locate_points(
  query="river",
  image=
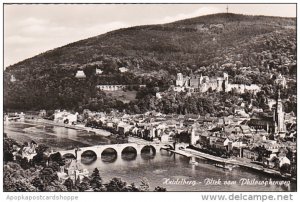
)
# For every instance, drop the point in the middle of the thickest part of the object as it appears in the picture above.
(165, 169)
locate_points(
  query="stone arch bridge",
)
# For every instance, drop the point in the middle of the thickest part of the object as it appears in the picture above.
(118, 148)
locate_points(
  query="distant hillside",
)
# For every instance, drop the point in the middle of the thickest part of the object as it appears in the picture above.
(153, 54)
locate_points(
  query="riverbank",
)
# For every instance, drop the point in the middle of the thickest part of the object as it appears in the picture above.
(198, 154)
(75, 127)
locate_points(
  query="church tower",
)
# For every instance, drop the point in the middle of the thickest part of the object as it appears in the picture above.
(279, 114)
(225, 77)
(201, 79)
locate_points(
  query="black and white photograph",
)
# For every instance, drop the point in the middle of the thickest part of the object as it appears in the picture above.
(150, 97)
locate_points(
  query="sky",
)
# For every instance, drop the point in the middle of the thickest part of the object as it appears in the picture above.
(33, 29)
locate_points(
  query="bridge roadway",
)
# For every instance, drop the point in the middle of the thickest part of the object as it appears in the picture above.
(118, 148)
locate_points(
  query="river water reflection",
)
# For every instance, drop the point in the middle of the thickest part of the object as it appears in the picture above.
(161, 169)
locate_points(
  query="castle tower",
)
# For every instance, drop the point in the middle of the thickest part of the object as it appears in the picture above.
(219, 84)
(279, 114)
(179, 80)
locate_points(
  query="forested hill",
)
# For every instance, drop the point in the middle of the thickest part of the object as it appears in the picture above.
(153, 54)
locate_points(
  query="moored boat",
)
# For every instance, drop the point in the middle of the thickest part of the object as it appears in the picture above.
(226, 166)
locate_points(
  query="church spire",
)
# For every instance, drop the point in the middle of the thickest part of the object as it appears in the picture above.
(280, 114)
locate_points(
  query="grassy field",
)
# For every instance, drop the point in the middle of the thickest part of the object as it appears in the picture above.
(123, 96)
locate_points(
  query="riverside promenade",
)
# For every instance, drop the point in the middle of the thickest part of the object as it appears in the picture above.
(201, 155)
(75, 127)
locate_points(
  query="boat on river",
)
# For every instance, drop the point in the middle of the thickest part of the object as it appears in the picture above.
(226, 166)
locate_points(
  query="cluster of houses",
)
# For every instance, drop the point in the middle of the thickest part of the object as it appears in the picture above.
(241, 140)
(154, 127)
(14, 116)
(238, 135)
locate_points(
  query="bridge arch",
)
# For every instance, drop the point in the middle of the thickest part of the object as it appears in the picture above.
(88, 157)
(129, 153)
(149, 149)
(69, 156)
(109, 155)
(148, 152)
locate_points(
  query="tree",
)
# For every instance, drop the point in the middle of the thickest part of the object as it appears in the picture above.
(96, 181)
(285, 168)
(23, 162)
(41, 148)
(8, 149)
(40, 159)
(7, 156)
(69, 184)
(57, 158)
(83, 186)
(56, 186)
(132, 188)
(37, 182)
(160, 189)
(48, 175)
(144, 184)
(19, 186)
(77, 181)
(115, 185)
(16, 179)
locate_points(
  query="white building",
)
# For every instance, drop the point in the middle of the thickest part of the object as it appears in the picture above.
(284, 160)
(158, 96)
(13, 79)
(124, 127)
(42, 113)
(280, 80)
(65, 117)
(111, 87)
(98, 71)
(166, 138)
(123, 69)
(80, 74)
